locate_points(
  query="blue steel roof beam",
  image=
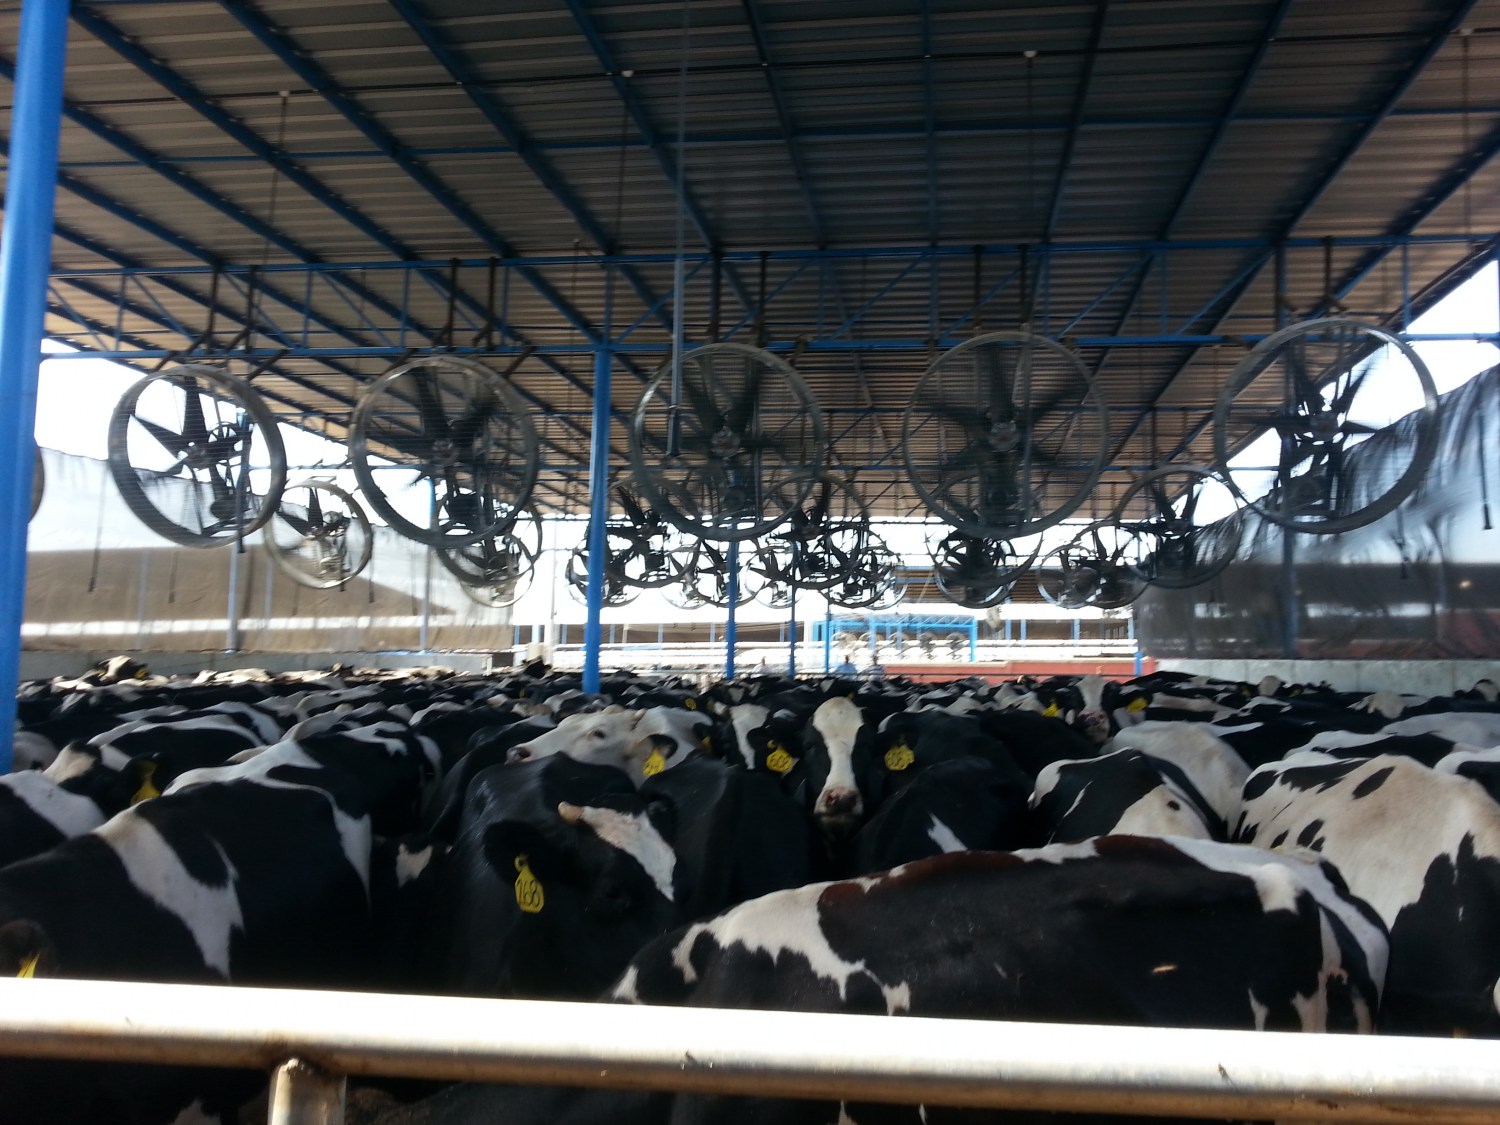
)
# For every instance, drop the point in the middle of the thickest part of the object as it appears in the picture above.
(227, 123)
(141, 156)
(994, 291)
(1075, 120)
(1227, 117)
(929, 120)
(812, 133)
(1434, 197)
(146, 313)
(859, 313)
(158, 317)
(276, 39)
(157, 230)
(145, 157)
(57, 300)
(1135, 269)
(784, 124)
(1414, 69)
(231, 126)
(688, 205)
(504, 123)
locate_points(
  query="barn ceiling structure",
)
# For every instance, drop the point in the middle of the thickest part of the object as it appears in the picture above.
(319, 191)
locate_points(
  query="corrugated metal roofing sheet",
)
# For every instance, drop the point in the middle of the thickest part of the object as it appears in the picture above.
(843, 124)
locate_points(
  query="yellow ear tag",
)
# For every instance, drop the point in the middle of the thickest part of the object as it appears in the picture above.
(1052, 711)
(1136, 704)
(691, 704)
(779, 761)
(899, 756)
(529, 895)
(28, 967)
(147, 791)
(654, 764)
(705, 743)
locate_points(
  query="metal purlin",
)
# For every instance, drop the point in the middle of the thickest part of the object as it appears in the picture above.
(25, 256)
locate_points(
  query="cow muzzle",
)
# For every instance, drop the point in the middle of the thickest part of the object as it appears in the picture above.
(518, 754)
(838, 810)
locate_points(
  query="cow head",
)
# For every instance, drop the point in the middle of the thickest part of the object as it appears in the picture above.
(641, 743)
(837, 746)
(560, 872)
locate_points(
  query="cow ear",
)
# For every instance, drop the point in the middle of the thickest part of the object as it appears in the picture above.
(508, 843)
(26, 951)
(662, 814)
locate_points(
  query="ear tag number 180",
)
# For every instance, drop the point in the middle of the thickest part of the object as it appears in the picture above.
(529, 896)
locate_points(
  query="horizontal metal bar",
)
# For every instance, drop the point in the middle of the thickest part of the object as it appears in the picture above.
(613, 144)
(1114, 246)
(894, 344)
(1077, 1068)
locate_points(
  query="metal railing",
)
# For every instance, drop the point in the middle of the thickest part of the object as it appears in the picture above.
(310, 1041)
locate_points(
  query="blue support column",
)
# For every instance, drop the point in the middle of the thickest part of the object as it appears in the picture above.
(598, 515)
(731, 626)
(973, 640)
(791, 632)
(25, 257)
(828, 639)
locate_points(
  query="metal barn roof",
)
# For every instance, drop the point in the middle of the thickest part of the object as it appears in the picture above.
(859, 183)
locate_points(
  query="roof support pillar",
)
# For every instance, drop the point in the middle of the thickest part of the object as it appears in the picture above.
(598, 516)
(25, 256)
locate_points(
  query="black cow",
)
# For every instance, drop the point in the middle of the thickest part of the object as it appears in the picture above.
(556, 877)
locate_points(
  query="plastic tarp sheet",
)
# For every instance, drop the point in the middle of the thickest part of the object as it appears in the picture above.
(98, 579)
(1420, 583)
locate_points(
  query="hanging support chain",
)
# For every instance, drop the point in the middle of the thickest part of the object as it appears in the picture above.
(485, 337)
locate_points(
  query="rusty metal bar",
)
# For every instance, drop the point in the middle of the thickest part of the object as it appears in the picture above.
(1081, 1068)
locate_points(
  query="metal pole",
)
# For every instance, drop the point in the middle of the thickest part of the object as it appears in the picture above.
(424, 629)
(731, 627)
(25, 257)
(301, 1094)
(791, 652)
(598, 516)
(1151, 1071)
(828, 638)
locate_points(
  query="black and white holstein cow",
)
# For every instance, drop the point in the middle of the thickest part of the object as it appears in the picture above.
(251, 882)
(1152, 779)
(641, 743)
(1422, 847)
(1119, 930)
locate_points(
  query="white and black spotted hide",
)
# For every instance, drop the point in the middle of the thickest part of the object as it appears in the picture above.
(1422, 847)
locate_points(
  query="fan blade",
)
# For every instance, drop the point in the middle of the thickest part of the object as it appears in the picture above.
(314, 509)
(633, 511)
(415, 447)
(997, 395)
(709, 417)
(1306, 390)
(467, 427)
(743, 411)
(1164, 508)
(965, 416)
(301, 526)
(1189, 509)
(429, 404)
(1344, 400)
(174, 444)
(194, 428)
